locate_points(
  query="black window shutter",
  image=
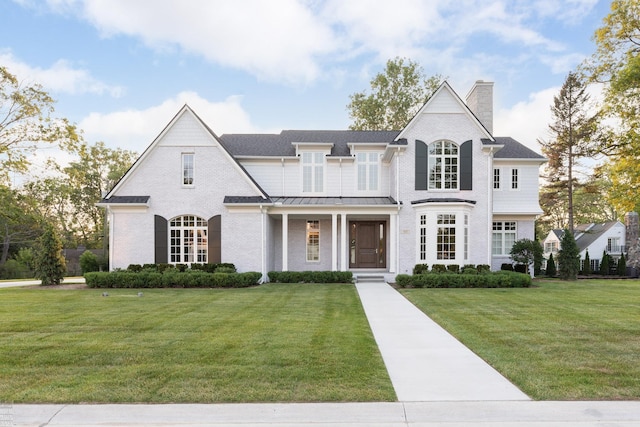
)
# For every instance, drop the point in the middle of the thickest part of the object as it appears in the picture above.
(161, 240)
(215, 239)
(421, 165)
(466, 165)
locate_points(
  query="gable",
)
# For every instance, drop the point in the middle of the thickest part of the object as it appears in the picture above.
(445, 101)
(185, 132)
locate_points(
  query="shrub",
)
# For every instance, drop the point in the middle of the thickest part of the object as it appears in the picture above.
(586, 264)
(621, 268)
(520, 268)
(551, 266)
(171, 278)
(311, 276)
(502, 279)
(469, 269)
(438, 268)
(134, 268)
(14, 269)
(453, 268)
(89, 262)
(483, 268)
(568, 257)
(506, 267)
(420, 268)
(50, 263)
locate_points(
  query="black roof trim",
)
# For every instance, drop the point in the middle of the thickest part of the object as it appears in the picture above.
(246, 200)
(126, 199)
(442, 200)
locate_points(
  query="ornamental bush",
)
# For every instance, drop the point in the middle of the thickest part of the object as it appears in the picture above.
(171, 278)
(310, 276)
(498, 279)
(89, 262)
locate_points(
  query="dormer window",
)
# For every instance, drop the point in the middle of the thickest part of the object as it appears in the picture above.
(312, 172)
(368, 167)
(443, 165)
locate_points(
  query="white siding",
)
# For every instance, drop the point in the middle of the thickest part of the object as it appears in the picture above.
(524, 199)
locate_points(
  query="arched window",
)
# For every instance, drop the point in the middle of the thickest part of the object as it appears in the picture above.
(443, 165)
(188, 240)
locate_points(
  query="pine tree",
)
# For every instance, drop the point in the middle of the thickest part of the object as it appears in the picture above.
(571, 132)
(621, 268)
(586, 268)
(50, 263)
(551, 266)
(604, 265)
(568, 257)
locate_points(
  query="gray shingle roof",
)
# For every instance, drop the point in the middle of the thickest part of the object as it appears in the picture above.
(442, 200)
(279, 145)
(126, 199)
(586, 234)
(514, 150)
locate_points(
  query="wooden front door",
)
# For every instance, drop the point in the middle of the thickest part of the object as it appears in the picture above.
(367, 244)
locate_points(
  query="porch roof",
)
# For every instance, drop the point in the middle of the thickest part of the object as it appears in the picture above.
(324, 201)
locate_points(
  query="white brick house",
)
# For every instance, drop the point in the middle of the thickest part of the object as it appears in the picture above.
(443, 190)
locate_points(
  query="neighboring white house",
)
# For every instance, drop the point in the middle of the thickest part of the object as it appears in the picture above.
(443, 190)
(595, 238)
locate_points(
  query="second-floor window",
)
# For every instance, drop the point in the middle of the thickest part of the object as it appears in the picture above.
(367, 164)
(443, 166)
(551, 247)
(514, 179)
(496, 179)
(312, 172)
(188, 168)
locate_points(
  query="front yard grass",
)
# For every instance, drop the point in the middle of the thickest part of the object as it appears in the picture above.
(557, 341)
(290, 343)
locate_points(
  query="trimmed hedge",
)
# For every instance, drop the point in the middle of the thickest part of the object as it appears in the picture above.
(310, 276)
(498, 279)
(171, 278)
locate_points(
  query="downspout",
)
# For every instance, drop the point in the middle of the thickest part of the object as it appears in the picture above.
(397, 231)
(490, 207)
(283, 175)
(264, 244)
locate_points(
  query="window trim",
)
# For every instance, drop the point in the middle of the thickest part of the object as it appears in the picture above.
(314, 165)
(368, 165)
(515, 179)
(496, 178)
(199, 244)
(426, 237)
(308, 232)
(441, 176)
(184, 169)
(503, 232)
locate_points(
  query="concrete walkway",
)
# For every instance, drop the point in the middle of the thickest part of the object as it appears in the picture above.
(424, 361)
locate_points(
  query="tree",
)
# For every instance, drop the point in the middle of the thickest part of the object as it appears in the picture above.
(396, 96)
(571, 131)
(568, 257)
(586, 265)
(50, 263)
(605, 264)
(26, 120)
(616, 64)
(551, 266)
(621, 267)
(71, 196)
(19, 222)
(527, 252)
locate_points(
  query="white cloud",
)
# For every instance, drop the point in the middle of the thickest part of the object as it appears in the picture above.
(136, 129)
(527, 121)
(61, 77)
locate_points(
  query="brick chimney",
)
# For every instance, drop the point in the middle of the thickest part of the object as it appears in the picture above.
(480, 102)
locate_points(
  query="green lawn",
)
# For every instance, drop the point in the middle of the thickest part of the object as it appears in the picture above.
(293, 343)
(557, 341)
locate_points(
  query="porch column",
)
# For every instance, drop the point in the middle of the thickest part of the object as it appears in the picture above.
(334, 242)
(393, 242)
(285, 241)
(344, 262)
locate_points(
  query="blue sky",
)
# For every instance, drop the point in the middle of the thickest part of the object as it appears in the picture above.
(121, 69)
